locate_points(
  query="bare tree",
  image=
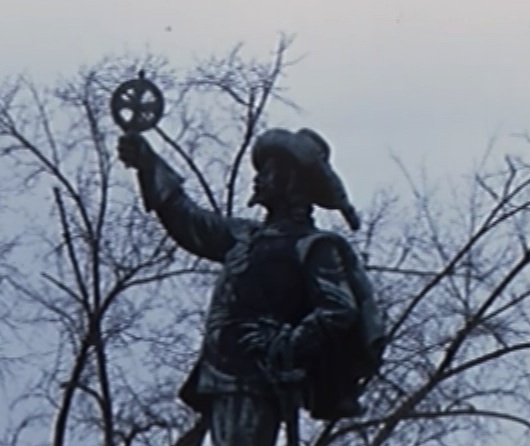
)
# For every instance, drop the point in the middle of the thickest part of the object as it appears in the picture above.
(116, 305)
(110, 315)
(452, 276)
(8, 361)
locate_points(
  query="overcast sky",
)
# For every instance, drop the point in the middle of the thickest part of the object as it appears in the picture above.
(430, 81)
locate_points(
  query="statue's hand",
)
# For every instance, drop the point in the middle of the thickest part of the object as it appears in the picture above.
(270, 340)
(257, 337)
(135, 151)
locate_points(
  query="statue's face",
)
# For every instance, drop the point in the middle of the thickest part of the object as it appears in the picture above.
(269, 185)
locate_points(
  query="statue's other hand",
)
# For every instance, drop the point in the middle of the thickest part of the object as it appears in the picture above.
(270, 339)
(255, 339)
(135, 151)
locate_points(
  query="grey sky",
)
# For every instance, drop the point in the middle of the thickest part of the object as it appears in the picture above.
(431, 81)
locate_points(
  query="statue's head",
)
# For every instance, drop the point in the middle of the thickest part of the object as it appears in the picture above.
(294, 167)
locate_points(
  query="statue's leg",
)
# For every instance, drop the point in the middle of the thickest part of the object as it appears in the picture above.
(244, 420)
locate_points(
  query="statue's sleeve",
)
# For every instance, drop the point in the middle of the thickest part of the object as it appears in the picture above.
(199, 231)
(334, 308)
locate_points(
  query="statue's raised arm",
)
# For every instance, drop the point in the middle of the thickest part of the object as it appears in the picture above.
(199, 231)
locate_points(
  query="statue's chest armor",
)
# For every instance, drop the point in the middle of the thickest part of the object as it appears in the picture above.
(273, 282)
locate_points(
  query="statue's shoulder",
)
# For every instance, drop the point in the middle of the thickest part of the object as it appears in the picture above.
(337, 241)
(243, 229)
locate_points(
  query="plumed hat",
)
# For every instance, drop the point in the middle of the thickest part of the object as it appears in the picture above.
(309, 153)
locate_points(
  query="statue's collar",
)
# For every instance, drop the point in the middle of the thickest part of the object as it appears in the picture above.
(285, 227)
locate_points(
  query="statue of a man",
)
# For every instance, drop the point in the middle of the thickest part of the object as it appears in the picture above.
(292, 321)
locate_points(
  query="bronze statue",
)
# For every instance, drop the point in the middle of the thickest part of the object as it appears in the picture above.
(292, 322)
